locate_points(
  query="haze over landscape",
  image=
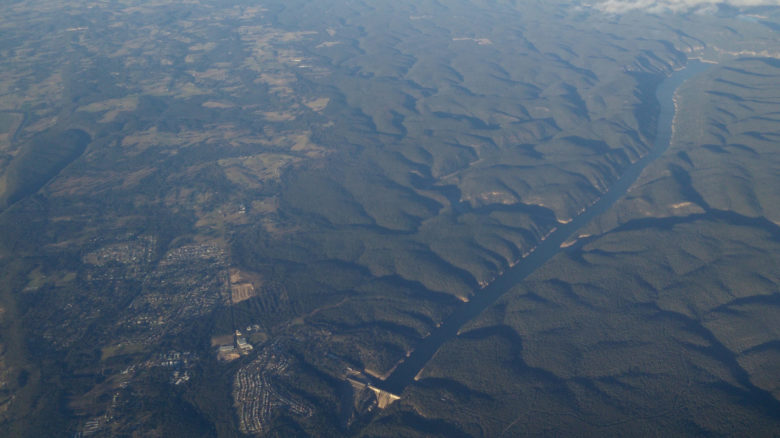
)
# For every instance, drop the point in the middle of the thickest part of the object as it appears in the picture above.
(661, 6)
(462, 218)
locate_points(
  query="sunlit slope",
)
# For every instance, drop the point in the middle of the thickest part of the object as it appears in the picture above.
(662, 316)
(452, 129)
(724, 154)
(732, 147)
(332, 179)
(464, 148)
(658, 326)
(461, 136)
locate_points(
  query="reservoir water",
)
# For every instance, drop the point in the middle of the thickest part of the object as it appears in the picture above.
(405, 372)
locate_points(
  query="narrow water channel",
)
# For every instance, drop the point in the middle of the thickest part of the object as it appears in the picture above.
(404, 374)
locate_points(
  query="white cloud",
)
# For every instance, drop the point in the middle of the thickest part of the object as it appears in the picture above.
(658, 6)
